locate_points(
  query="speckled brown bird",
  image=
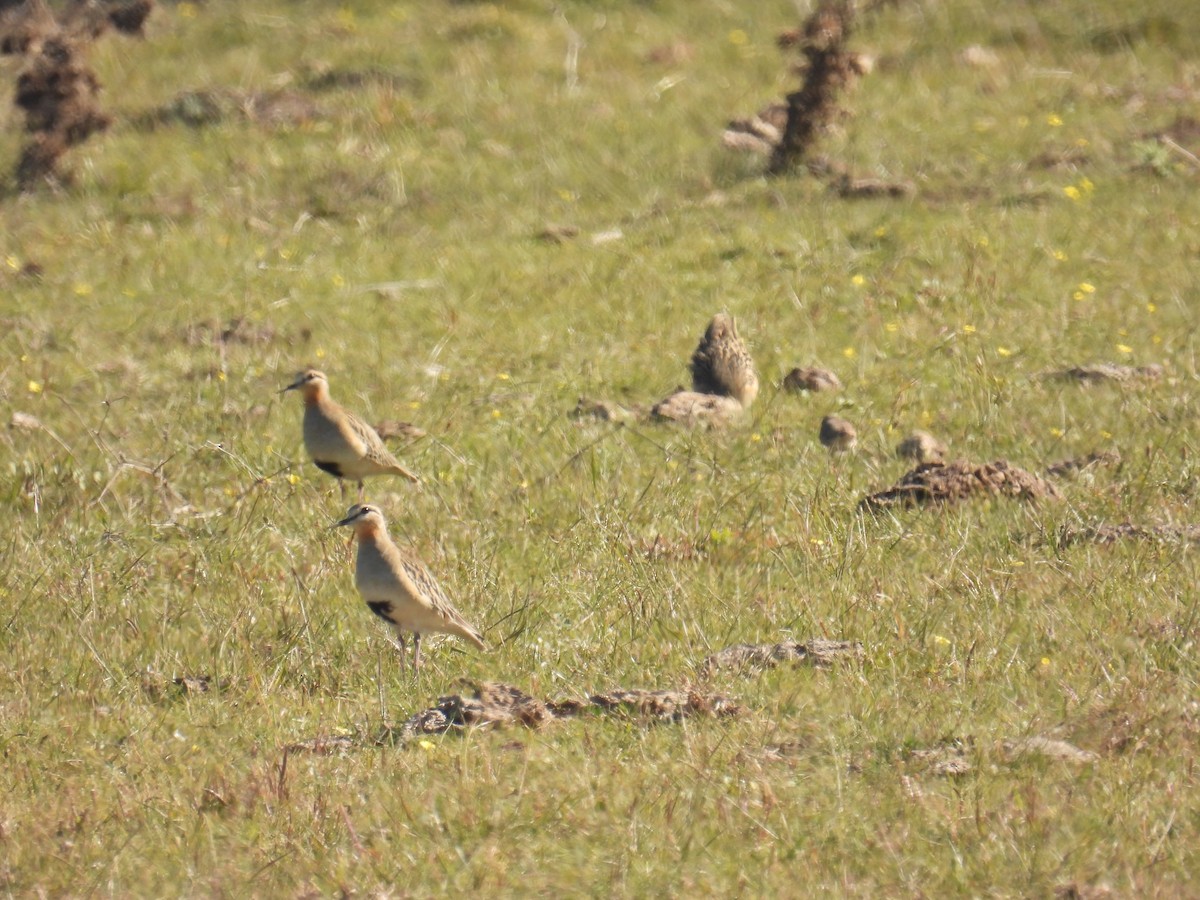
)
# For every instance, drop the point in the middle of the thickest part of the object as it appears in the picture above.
(338, 441)
(837, 434)
(722, 364)
(398, 588)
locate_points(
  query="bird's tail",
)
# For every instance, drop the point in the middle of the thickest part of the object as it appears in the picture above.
(400, 470)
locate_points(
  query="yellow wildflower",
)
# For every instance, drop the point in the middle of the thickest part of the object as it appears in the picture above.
(1073, 192)
(1053, 120)
(1124, 348)
(738, 38)
(35, 387)
(858, 280)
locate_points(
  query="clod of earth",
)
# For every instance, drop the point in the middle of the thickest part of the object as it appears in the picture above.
(1126, 531)
(816, 652)
(1093, 460)
(937, 483)
(1107, 372)
(811, 378)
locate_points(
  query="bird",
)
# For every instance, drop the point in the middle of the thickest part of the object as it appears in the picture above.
(837, 434)
(722, 365)
(921, 447)
(399, 588)
(338, 441)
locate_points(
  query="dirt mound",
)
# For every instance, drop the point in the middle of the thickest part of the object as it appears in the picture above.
(1107, 372)
(817, 652)
(935, 482)
(56, 89)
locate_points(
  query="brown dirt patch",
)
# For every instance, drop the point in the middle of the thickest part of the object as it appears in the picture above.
(941, 483)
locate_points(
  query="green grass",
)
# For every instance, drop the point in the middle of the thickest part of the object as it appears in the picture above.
(154, 533)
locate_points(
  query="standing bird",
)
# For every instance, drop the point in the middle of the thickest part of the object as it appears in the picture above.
(724, 382)
(722, 363)
(338, 441)
(398, 588)
(838, 435)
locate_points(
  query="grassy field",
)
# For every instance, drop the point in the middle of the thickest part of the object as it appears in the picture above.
(365, 194)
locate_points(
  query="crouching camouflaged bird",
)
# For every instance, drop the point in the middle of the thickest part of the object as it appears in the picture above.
(338, 441)
(398, 588)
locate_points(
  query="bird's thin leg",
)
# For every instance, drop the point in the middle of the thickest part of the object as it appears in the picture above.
(342, 488)
(361, 491)
(417, 653)
(402, 648)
